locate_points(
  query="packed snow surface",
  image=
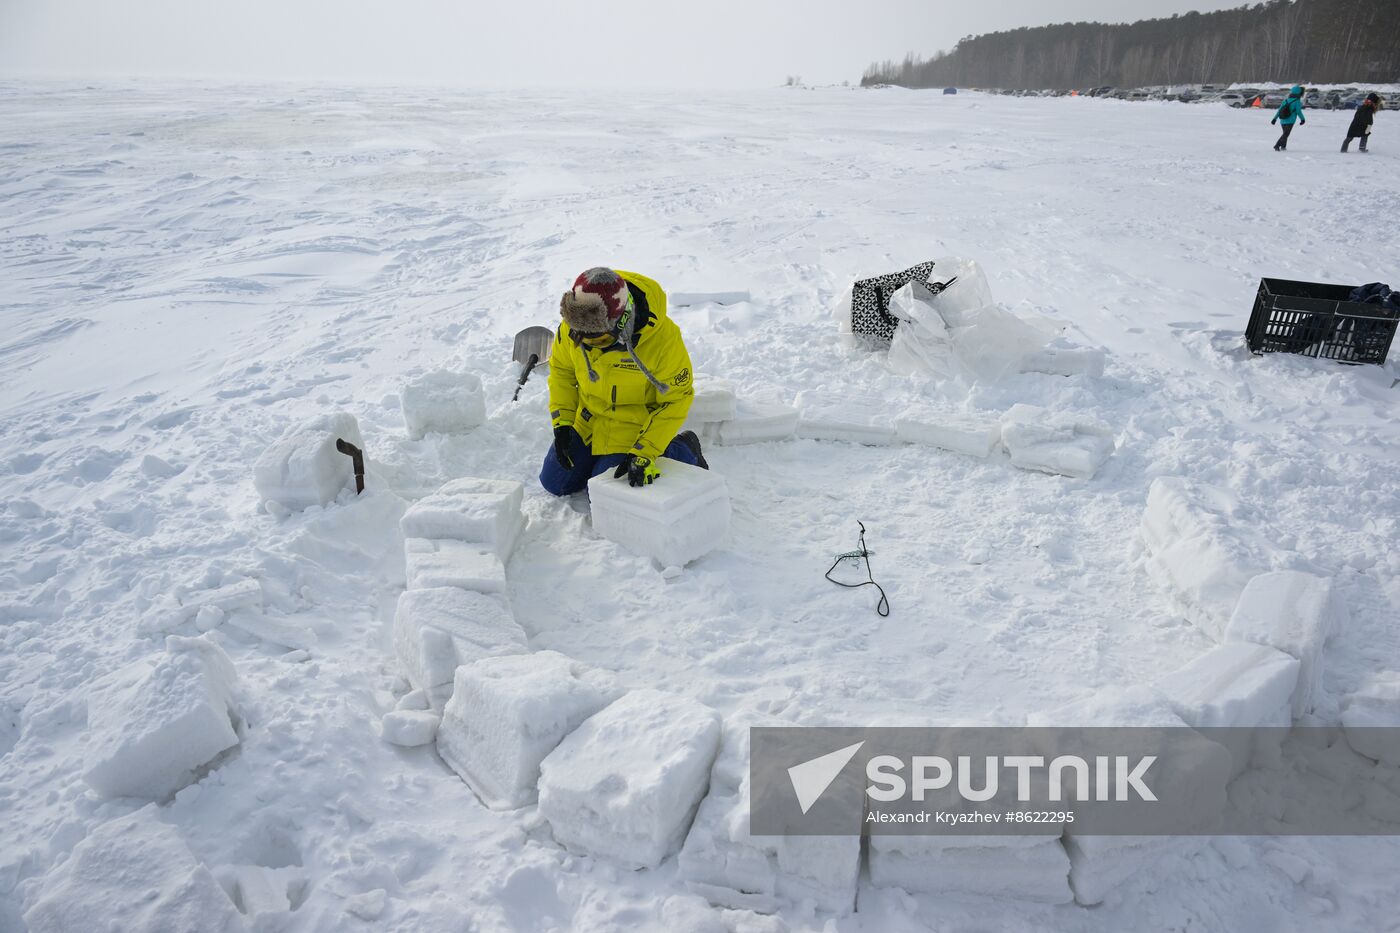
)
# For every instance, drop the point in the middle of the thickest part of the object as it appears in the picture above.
(191, 272)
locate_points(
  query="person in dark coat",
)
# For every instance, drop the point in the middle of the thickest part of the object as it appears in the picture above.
(1361, 123)
(1289, 112)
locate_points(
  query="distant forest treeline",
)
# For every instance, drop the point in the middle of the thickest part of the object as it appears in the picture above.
(1315, 41)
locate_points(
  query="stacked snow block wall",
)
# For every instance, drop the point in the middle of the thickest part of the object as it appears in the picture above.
(455, 610)
(443, 403)
(721, 862)
(303, 468)
(675, 521)
(1033, 868)
(155, 724)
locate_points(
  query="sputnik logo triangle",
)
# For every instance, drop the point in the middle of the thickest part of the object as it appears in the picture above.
(811, 778)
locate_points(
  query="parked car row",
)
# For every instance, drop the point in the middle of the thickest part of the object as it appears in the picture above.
(1344, 99)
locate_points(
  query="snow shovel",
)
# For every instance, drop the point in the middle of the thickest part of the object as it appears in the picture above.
(531, 349)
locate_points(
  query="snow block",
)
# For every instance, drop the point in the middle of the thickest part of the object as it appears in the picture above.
(959, 433)
(686, 299)
(443, 403)
(1235, 685)
(1193, 553)
(506, 714)
(409, 728)
(759, 420)
(1296, 613)
(437, 629)
(626, 784)
(1376, 705)
(682, 516)
(132, 873)
(153, 724)
(714, 401)
(446, 562)
(1098, 864)
(844, 416)
(1065, 361)
(479, 511)
(303, 468)
(243, 594)
(1050, 442)
(721, 862)
(1031, 868)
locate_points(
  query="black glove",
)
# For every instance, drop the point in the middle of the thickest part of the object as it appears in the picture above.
(564, 438)
(1274, 121)
(641, 471)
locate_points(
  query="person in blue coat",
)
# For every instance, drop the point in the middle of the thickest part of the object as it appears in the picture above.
(1289, 112)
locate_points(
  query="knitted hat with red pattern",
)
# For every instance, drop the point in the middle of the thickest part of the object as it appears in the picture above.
(596, 301)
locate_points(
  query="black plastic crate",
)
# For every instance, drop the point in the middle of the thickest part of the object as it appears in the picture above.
(1313, 319)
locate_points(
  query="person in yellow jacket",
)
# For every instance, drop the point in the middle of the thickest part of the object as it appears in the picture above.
(620, 384)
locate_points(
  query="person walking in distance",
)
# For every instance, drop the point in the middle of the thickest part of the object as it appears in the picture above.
(1288, 113)
(1361, 123)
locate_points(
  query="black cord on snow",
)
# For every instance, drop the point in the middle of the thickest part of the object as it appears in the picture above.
(883, 606)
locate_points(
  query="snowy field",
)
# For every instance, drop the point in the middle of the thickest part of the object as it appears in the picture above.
(187, 271)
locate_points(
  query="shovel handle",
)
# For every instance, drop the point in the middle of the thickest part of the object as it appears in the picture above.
(525, 374)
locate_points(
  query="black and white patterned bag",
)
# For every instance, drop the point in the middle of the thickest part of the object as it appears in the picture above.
(870, 300)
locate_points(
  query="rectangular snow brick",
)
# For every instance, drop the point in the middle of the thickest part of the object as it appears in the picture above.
(1030, 868)
(848, 416)
(134, 872)
(480, 511)
(686, 299)
(447, 562)
(721, 862)
(409, 728)
(303, 468)
(506, 714)
(1296, 613)
(625, 785)
(759, 420)
(714, 401)
(443, 403)
(1238, 686)
(682, 516)
(437, 629)
(959, 433)
(1375, 706)
(1194, 553)
(153, 724)
(1049, 442)
(1098, 864)
(1065, 361)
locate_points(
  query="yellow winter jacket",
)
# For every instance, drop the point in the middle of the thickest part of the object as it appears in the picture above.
(623, 412)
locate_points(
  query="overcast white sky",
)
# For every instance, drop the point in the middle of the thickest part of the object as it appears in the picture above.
(643, 43)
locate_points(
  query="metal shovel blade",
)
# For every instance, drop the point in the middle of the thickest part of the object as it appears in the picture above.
(532, 346)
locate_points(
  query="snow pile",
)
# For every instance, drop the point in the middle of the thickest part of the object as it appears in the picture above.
(303, 468)
(1193, 553)
(507, 713)
(202, 605)
(443, 403)
(1296, 613)
(1235, 685)
(447, 562)
(962, 434)
(154, 724)
(843, 416)
(132, 873)
(409, 728)
(1376, 705)
(627, 782)
(1051, 442)
(682, 516)
(479, 511)
(437, 629)
(1032, 868)
(257, 891)
(757, 420)
(724, 864)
